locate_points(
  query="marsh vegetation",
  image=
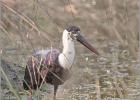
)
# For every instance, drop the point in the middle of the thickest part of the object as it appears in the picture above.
(110, 25)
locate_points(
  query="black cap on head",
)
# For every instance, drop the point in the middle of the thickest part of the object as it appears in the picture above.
(73, 29)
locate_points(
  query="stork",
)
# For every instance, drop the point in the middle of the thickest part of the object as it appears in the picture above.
(52, 66)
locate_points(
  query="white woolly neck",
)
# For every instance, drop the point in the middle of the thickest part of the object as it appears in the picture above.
(66, 58)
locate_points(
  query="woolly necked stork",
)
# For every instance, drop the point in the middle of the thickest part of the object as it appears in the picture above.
(52, 66)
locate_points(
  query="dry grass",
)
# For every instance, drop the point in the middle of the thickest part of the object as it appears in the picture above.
(110, 25)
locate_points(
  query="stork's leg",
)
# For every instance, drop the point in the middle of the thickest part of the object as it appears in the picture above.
(55, 91)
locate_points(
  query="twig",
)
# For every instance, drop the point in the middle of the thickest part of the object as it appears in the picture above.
(98, 96)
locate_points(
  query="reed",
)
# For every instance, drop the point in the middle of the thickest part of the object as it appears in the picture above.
(37, 24)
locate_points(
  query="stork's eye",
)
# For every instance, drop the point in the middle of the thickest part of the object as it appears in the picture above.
(70, 33)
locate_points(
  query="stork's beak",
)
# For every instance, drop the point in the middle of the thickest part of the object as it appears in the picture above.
(83, 41)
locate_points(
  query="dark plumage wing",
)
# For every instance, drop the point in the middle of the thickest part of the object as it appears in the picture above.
(38, 66)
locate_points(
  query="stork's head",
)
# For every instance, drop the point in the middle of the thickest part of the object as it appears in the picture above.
(75, 34)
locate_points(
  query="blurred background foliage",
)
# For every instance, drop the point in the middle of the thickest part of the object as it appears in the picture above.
(110, 25)
(100, 20)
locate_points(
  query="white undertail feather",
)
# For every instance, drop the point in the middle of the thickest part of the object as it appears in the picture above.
(66, 58)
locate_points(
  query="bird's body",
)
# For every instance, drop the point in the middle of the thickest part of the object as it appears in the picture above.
(52, 66)
(44, 65)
